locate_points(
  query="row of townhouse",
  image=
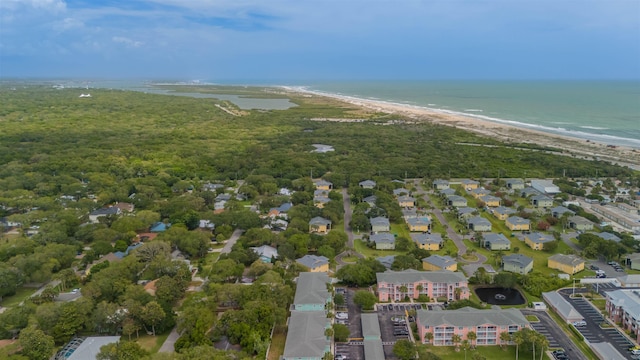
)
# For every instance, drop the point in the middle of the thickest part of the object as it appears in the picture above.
(307, 325)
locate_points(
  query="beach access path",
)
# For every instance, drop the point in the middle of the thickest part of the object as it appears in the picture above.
(470, 267)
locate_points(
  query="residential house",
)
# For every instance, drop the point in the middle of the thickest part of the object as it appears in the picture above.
(440, 184)
(580, 223)
(386, 261)
(83, 348)
(383, 241)
(469, 184)
(431, 242)
(536, 240)
(409, 213)
(466, 212)
(280, 210)
(569, 264)
(103, 212)
(623, 307)
(266, 253)
(323, 185)
(516, 223)
(517, 263)
(529, 191)
(311, 292)
(545, 186)
(367, 184)
(491, 201)
(456, 201)
(416, 224)
(438, 262)
(320, 201)
(608, 236)
(124, 206)
(478, 223)
(493, 241)
(515, 184)
(633, 261)
(396, 285)
(502, 213)
(371, 200)
(558, 211)
(446, 192)
(319, 225)
(479, 192)
(380, 224)
(541, 201)
(159, 227)
(205, 224)
(314, 263)
(406, 201)
(306, 336)
(400, 192)
(628, 221)
(562, 307)
(487, 324)
(212, 187)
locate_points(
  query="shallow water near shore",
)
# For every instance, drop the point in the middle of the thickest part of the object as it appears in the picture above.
(602, 111)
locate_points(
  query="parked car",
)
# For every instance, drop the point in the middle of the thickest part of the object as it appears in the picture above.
(579, 323)
(593, 267)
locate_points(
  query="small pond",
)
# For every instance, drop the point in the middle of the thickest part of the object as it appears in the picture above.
(500, 296)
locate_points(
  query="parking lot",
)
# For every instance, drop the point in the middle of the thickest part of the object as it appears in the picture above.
(592, 331)
(554, 334)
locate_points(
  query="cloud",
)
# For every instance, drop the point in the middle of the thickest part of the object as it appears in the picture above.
(126, 41)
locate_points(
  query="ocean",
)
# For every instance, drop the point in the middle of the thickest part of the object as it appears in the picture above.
(604, 111)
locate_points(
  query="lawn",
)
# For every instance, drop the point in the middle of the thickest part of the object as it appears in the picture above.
(363, 249)
(532, 318)
(401, 230)
(20, 295)
(448, 248)
(489, 352)
(599, 303)
(277, 343)
(152, 343)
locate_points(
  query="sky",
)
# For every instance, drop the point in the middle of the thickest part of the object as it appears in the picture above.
(313, 40)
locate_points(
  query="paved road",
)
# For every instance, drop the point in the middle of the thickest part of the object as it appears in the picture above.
(350, 250)
(554, 333)
(232, 241)
(469, 267)
(167, 346)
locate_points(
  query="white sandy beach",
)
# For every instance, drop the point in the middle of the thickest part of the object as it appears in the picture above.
(572, 146)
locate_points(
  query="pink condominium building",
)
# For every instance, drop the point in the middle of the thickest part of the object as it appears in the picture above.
(488, 325)
(396, 285)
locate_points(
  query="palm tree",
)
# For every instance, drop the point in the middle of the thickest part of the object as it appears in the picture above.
(505, 337)
(429, 337)
(518, 339)
(544, 343)
(465, 346)
(472, 336)
(419, 288)
(403, 290)
(455, 339)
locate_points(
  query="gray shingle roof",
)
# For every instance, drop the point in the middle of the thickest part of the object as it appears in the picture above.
(538, 237)
(410, 275)
(469, 316)
(517, 220)
(312, 261)
(305, 337)
(367, 183)
(423, 239)
(370, 325)
(417, 221)
(517, 259)
(579, 220)
(311, 288)
(562, 306)
(379, 221)
(502, 210)
(479, 220)
(571, 260)
(496, 238)
(319, 221)
(439, 261)
(383, 238)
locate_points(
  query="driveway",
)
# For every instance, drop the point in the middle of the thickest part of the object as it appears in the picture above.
(232, 241)
(554, 334)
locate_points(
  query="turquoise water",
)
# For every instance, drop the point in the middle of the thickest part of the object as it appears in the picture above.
(603, 111)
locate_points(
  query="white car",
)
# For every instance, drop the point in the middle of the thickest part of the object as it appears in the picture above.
(342, 315)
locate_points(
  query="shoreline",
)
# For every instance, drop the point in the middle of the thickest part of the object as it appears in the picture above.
(508, 133)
